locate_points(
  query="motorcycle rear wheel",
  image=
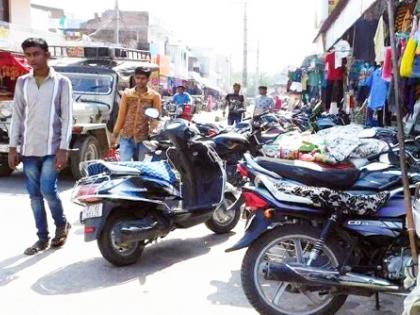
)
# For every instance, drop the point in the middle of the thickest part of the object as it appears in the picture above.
(116, 253)
(260, 294)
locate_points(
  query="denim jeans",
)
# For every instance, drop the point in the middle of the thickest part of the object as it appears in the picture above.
(130, 150)
(41, 182)
(234, 119)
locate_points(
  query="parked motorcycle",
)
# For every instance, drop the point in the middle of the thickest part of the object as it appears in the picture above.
(230, 145)
(317, 235)
(128, 205)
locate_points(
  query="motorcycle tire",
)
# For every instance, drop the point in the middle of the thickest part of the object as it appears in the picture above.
(223, 228)
(248, 266)
(110, 251)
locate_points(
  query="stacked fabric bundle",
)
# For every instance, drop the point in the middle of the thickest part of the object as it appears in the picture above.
(335, 145)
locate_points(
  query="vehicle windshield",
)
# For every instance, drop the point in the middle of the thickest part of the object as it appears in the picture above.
(83, 83)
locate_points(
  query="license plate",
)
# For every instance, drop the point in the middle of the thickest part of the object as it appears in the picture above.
(4, 148)
(92, 211)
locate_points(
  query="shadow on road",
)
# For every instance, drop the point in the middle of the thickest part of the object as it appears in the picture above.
(8, 274)
(229, 293)
(96, 273)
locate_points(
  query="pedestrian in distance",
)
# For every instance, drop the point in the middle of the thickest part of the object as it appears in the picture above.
(235, 103)
(263, 102)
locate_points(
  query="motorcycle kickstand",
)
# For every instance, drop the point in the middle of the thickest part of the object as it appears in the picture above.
(377, 302)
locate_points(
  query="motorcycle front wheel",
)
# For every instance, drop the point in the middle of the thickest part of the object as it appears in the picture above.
(118, 254)
(223, 219)
(289, 244)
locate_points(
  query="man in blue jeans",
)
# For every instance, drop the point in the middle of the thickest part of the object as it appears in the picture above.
(42, 126)
(132, 126)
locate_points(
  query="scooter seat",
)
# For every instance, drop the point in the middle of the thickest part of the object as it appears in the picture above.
(159, 170)
(311, 174)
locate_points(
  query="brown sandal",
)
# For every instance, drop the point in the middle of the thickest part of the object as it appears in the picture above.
(37, 247)
(61, 235)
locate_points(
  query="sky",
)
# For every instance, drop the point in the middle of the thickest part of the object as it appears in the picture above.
(284, 29)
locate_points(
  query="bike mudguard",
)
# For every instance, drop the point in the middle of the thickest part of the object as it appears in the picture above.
(94, 226)
(258, 226)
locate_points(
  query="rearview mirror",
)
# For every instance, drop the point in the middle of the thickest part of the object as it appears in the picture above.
(152, 113)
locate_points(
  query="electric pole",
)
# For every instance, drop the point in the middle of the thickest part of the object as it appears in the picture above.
(245, 52)
(117, 22)
(257, 71)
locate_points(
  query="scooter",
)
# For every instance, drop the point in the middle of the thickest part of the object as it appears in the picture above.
(230, 145)
(317, 235)
(128, 205)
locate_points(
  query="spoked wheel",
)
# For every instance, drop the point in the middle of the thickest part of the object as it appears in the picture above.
(223, 219)
(289, 244)
(118, 254)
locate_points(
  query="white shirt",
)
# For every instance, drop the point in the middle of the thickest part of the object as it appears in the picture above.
(263, 103)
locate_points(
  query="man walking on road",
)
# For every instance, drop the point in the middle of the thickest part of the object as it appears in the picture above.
(263, 102)
(236, 105)
(132, 126)
(42, 127)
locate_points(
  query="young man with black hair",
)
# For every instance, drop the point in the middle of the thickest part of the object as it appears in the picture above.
(181, 98)
(42, 127)
(132, 126)
(263, 102)
(236, 105)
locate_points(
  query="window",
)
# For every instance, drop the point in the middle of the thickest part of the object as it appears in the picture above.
(90, 83)
(4, 10)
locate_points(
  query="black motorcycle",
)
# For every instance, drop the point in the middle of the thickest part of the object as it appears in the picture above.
(128, 205)
(317, 235)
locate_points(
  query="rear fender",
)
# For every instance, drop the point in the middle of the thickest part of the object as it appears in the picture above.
(93, 226)
(289, 208)
(258, 226)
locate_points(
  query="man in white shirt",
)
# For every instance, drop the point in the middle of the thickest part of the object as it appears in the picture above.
(263, 102)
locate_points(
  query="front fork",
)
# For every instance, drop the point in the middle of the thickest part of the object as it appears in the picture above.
(326, 232)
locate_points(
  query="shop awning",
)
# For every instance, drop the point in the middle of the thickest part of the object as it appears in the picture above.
(8, 59)
(345, 14)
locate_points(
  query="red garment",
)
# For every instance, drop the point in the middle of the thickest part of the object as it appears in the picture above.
(387, 68)
(278, 104)
(333, 74)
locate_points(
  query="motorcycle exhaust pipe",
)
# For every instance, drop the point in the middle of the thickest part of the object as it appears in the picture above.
(319, 276)
(137, 231)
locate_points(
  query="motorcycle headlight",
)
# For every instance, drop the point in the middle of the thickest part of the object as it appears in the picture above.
(6, 110)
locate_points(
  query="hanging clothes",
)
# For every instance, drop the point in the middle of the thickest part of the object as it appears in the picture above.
(304, 81)
(334, 91)
(333, 73)
(379, 41)
(377, 101)
(364, 45)
(387, 68)
(378, 90)
(403, 16)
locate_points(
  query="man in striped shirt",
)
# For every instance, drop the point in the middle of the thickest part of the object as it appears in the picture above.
(42, 126)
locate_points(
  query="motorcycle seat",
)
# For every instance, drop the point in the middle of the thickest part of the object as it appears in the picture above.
(112, 168)
(267, 137)
(311, 174)
(159, 170)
